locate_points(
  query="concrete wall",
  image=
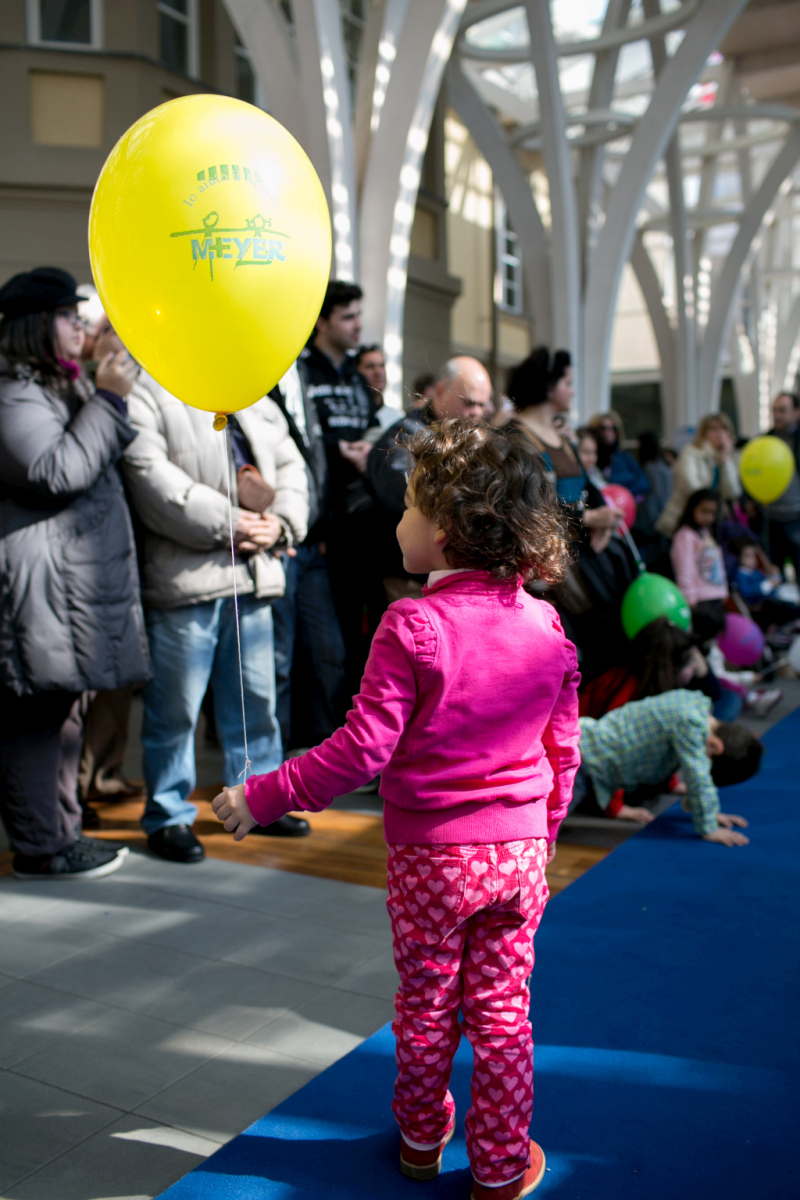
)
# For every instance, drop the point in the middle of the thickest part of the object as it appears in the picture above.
(432, 286)
(470, 240)
(46, 189)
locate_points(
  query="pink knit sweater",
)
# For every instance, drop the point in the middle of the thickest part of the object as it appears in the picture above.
(699, 566)
(468, 707)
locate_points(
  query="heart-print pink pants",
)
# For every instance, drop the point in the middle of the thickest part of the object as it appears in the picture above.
(463, 920)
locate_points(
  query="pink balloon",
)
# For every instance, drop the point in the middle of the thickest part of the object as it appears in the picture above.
(742, 642)
(619, 497)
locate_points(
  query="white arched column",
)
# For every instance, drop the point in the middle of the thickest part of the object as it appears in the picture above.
(663, 332)
(262, 28)
(726, 290)
(515, 189)
(565, 268)
(783, 375)
(685, 392)
(303, 77)
(592, 159)
(703, 34)
(326, 90)
(393, 172)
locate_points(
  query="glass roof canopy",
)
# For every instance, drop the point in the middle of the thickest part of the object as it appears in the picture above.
(509, 88)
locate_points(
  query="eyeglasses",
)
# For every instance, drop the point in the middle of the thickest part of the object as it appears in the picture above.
(74, 318)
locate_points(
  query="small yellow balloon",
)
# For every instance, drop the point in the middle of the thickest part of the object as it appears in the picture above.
(210, 243)
(766, 468)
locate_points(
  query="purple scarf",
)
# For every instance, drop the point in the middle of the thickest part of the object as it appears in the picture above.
(71, 368)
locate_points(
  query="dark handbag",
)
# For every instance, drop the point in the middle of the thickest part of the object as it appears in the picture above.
(255, 494)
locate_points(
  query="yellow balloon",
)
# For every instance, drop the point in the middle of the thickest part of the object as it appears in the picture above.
(210, 243)
(766, 468)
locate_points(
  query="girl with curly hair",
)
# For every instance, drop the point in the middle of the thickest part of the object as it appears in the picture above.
(468, 707)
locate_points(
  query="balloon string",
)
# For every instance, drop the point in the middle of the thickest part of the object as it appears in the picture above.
(625, 534)
(248, 766)
(634, 549)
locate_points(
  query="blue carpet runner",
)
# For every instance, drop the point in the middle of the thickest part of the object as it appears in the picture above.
(667, 1024)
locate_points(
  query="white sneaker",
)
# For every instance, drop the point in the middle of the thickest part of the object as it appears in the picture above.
(760, 703)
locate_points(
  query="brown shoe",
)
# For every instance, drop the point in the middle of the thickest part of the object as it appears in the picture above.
(518, 1187)
(424, 1164)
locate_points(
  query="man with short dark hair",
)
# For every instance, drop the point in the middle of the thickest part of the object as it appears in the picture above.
(371, 362)
(330, 374)
(344, 405)
(782, 518)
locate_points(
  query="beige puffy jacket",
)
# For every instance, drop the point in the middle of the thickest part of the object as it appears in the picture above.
(175, 473)
(695, 469)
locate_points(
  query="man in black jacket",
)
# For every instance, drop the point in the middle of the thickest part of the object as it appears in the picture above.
(305, 616)
(331, 379)
(463, 390)
(782, 518)
(346, 410)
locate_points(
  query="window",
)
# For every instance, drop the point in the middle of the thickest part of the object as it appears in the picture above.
(75, 24)
(66, 109)
(423, 233)
(178, 35)
(246, 83)
(508, 281)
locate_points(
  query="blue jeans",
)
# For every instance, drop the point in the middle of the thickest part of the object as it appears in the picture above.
(729, 705)
(580, 788)
(306, 614)
(191, 646)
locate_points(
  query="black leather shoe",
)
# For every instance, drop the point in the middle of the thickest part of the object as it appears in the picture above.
(287, 826)
(176, 843)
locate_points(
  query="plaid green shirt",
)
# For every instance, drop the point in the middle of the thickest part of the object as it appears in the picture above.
(646, 742)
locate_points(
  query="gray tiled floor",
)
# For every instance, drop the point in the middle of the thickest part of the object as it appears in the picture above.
(148, 1017)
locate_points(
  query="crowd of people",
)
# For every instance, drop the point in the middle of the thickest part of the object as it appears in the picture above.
(121, 556)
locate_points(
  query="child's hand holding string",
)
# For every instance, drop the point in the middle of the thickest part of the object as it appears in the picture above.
(230, 807)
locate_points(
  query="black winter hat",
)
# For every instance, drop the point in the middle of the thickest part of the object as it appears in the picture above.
(41, 290)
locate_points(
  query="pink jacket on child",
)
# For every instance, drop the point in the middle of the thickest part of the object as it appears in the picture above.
(468, 707)
(699, 566)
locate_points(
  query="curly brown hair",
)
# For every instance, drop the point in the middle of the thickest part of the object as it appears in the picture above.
(488, 489)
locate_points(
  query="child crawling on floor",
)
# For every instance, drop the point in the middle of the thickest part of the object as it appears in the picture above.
(468, 707)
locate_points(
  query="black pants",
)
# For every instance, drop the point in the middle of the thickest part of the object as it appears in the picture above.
(781, 541)
(40, 747)
(357, 593)
(309, 653)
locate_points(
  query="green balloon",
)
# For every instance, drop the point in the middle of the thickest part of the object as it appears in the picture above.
(650, 597)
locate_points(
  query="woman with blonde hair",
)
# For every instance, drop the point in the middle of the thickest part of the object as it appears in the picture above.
(707, 462)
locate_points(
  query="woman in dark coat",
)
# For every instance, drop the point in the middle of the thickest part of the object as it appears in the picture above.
(70, 617)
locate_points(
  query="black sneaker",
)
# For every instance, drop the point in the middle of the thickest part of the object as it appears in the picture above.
(83, 860)
(103, 844)
(287, 826)
(176, 843)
